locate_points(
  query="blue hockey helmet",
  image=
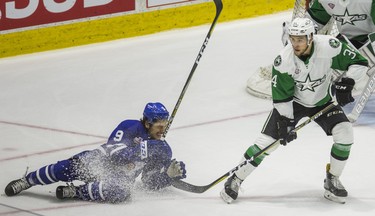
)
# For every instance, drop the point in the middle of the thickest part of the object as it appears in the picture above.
(154, 112)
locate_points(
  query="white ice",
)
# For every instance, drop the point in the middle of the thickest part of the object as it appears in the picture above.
(58, 103)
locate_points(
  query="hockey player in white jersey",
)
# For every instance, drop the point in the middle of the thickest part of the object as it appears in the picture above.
(301, 86)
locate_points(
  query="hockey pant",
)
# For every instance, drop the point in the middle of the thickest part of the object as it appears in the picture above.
(334, 123)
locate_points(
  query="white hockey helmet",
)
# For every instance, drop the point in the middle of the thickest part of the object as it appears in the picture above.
(301, 26)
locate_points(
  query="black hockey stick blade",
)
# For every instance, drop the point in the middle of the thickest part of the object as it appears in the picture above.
(200, 189)
(219, 8)
(179, 184)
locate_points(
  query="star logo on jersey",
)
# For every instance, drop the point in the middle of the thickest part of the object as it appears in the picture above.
(334, 43)
(277, 61)
(347, 18)
(309, 84)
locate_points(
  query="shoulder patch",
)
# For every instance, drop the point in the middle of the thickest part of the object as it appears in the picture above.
(277, 61)
(334, 43)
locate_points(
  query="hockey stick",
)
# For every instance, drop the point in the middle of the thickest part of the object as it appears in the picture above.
(219, 7)
(365, 95)
(200, 189)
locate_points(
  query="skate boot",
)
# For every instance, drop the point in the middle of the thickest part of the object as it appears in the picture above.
(231, 187)
(16, 186)
(66, 192)
(335, 191)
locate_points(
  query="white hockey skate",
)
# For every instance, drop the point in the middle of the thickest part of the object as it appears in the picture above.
(335, 191)
(231, 187)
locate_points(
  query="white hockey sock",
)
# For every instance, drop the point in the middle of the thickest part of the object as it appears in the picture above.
(245, 170)
(337, 166)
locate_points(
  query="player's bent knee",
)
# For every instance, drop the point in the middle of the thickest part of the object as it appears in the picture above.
(343, 133)
(264, 141)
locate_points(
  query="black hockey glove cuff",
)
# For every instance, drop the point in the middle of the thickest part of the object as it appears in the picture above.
(344, 91)
(285, 128)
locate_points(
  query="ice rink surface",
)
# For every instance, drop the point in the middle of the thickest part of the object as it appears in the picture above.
(58, 103)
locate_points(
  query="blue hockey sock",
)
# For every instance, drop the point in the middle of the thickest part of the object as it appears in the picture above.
(60, 171)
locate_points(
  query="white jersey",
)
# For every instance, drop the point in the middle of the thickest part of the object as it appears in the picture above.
(308, 82)
(353, 17)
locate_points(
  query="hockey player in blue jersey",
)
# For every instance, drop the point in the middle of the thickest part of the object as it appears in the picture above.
(134, 148)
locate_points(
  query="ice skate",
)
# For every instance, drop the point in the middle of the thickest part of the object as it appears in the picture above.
(231, 187)
(335, 191)
(66, 192)
(16, 186)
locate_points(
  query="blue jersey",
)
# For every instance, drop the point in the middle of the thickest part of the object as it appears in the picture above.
(124, 149)
(110, 170)
(126, 131)
(121, 147)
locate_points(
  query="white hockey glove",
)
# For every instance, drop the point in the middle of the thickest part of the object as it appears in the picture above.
(285, 35)
(176, 170)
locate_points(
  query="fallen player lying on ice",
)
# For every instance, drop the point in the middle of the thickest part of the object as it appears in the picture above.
(109, 172)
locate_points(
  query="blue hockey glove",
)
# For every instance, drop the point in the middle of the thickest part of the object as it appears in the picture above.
(285, 126)
(344, 91)
(176, 170)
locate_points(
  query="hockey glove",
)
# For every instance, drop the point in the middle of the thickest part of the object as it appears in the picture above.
(285, 126)
(344, 91)
(176, 170)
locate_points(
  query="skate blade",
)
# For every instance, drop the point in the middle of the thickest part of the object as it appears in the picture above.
(225, 197)
(330, 196)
